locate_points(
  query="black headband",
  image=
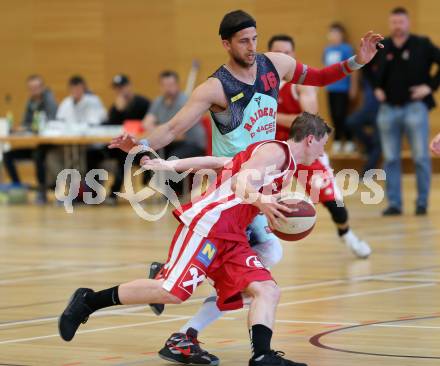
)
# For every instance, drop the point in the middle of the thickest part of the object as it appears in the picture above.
(228, 32)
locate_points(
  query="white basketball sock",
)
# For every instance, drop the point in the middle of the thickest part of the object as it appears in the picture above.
(208, 313)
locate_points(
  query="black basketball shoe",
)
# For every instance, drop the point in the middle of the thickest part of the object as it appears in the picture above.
(76, 312)
(184, 348)
(273, 358)
(155, 269)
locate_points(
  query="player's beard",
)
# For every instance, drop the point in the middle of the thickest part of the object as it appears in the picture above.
(243, 62)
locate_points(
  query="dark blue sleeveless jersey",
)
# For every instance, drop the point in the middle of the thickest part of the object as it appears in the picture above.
(251, 113)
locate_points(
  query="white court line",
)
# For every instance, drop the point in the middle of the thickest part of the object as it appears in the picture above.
(79, 273)
(198, 300)
(190, 301)
(22, 268)
(404, 326)
(52, 265)
(95, 315)
(356, 294)
(406, 279)
(393, 274)
(168, 315)
(19, 340)
(329, 298)
(364, 324)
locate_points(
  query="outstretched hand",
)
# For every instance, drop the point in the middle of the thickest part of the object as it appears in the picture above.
(124, 142)
(157, 164)
(368, 47)
(435, 145)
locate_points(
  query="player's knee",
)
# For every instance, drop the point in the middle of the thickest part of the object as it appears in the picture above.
(271, 291)
(171, 299)
(267, 290)
(339, 213)
(269, 252)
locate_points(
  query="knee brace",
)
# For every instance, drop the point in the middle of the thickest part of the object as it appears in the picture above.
(269, 252)
(339, 214)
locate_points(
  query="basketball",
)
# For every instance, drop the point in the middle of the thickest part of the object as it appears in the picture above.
(301, 221)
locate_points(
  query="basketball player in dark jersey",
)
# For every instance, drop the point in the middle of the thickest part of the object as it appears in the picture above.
(242, 99)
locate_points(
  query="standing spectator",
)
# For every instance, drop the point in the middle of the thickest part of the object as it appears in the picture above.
(42, 105)
(404, 87)
(81, 106)
(366, 116)
(164, 107)
(340, 92)
(127, 105)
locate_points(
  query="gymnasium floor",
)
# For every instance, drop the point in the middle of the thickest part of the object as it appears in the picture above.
(334, 311)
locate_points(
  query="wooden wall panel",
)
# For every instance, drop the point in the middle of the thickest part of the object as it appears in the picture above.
(16, 60)
(140, 40)
(197, 36)
(67, 40)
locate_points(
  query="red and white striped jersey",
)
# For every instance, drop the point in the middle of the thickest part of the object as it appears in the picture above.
(219, 212)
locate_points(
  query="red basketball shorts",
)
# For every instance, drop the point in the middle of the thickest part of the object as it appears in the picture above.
(232, 266)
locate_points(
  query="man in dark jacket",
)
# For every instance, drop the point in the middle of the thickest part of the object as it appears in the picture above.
(404, 86)
(127, 105)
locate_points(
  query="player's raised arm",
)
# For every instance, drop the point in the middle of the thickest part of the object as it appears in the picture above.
(308, 99)
(292, 70)
(200, 101)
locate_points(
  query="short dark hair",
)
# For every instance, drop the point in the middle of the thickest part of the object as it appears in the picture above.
(120, 80)
(307, 124)
(35, 77)
(281, 37)
(339, 27)
(76, 80)
(168, 74)
(400, 10)
(235, 21)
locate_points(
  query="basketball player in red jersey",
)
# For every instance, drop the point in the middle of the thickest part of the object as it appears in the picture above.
(211, 240)
(292, 100)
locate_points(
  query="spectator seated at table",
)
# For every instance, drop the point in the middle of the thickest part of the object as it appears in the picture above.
(40, 106)
(81, 106)
(163, 108)
(80, 110)
(127, 104)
